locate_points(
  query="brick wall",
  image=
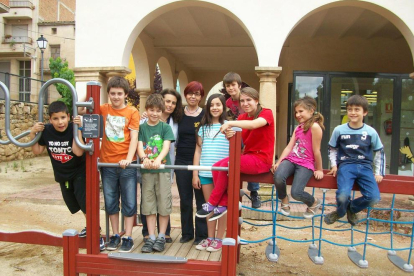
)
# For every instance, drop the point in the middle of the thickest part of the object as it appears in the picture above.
(48, 10)
(5, 2)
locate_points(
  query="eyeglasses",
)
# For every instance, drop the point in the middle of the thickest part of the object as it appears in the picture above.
(191, 94)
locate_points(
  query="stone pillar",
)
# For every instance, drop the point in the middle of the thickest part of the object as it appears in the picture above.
(268, 76)
(143, 95)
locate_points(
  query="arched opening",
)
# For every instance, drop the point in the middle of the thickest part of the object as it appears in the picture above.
(166, 73)
(342, 50)
(182, 82)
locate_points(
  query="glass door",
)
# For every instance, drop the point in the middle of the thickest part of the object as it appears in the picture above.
(406, 135)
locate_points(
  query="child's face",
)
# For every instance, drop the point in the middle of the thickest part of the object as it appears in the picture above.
(117, 96)
(154, 115)
(216, 108)
(60, 121)
(170, 102)
(302, 114)
(248, 104)
(356, 114)
(233, 89)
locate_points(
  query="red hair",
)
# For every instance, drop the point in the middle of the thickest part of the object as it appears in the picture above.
(192, 87)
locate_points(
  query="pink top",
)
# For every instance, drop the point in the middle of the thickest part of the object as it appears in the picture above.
(302, 152)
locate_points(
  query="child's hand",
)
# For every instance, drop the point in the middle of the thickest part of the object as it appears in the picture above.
(224, 127)
(333, 171)
(274, 167)
(124, 163)
(156, 164)
(318, 174)
(38, 127)
(144, 115)
(196, 183)
(378, 178)
(78, 120)
(147, 163)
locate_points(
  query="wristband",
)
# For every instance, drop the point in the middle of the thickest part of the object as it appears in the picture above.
(80, 128)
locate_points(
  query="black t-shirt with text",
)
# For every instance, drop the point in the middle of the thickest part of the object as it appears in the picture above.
(187, 136)
(59, 147)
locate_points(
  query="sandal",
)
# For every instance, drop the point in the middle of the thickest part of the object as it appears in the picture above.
(285, 208)
(311, 211)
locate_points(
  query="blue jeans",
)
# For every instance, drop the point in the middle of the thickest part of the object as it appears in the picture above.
(363, 175)
(301, 176)
(120, 183)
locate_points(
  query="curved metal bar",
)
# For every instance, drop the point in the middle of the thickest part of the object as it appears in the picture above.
(88, 147)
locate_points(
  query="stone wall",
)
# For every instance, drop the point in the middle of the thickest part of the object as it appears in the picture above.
(22, 118)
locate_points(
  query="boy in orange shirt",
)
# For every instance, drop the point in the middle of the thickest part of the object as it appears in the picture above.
(119, 145)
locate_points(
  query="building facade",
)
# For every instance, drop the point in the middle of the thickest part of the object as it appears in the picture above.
(286, 49)
(20, 58)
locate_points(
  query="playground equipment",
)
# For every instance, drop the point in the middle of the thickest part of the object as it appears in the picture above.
(94, 262)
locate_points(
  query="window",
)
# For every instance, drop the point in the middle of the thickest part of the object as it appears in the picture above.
(20, 33)
(24, 81)
(54, 30)
(55, 51)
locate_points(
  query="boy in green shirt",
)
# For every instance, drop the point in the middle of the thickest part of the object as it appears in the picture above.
(154, 142)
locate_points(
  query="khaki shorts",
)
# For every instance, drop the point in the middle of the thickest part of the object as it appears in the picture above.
(156, 194)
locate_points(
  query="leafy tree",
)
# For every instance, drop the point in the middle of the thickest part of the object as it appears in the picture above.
(157, 80)
(59, 69)
(133, 97)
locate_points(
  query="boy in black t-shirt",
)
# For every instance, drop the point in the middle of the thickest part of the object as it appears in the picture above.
(68, 159)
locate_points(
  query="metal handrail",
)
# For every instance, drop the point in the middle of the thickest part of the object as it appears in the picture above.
(75, 104)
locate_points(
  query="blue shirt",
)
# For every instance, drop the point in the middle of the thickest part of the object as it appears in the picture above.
(355, 145)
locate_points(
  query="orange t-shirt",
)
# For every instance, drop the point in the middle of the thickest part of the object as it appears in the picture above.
(118, 123)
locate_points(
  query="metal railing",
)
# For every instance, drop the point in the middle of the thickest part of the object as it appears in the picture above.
(17, 39)
(21, 4)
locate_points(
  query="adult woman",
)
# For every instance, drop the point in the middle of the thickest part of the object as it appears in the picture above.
(171, 115)
(186, 144)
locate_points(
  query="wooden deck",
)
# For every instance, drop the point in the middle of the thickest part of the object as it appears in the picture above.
(175, 248)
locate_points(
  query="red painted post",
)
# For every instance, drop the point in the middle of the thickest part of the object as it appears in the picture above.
(92, 179)
(229, 255)
(70, 249)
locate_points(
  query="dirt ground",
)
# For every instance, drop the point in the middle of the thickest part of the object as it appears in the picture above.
(26, 203)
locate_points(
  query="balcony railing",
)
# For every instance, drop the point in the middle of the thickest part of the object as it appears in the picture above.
(21, 4)
(17, 39)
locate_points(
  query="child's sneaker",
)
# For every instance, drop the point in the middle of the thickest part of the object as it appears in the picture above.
(215, 245)
(101, 244)
(82, 233)
(204, 244)
(159, 244)
(351, 216)
(113, 243)
(219, 211)
(205, 211)
(147, 248)
(331, 217)
(127, 245)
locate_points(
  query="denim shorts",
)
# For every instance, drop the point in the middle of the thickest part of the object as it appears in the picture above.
(120, 183)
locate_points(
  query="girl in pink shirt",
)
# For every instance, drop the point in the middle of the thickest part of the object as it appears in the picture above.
(301, 158)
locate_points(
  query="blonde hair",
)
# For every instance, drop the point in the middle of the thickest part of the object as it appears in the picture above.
(309, 103)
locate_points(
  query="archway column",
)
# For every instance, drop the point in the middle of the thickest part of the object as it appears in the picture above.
(143, 95)
(267, 78)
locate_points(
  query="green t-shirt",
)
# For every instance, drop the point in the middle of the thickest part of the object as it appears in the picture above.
(153, 138)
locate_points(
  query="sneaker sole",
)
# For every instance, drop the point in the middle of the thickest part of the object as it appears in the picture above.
(284, 212)
(213, 249)
(204, 216)
(217, 217)
(111, 248)
(201, 248)
(126, 251)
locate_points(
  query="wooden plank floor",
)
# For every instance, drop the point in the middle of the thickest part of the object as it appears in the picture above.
(175, 248)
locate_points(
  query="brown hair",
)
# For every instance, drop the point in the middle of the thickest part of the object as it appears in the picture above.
(178, 111)
(358, 100)
(309, 104)
(230, 77)
(155, 100)
(118, 82)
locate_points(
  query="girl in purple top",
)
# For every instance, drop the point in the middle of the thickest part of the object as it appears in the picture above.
(301, 157)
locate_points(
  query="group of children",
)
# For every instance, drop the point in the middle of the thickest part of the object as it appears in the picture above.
(351, 155)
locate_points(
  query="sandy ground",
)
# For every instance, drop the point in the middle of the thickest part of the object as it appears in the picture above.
(27, 203)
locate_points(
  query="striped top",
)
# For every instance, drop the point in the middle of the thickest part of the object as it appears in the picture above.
(214, 148)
